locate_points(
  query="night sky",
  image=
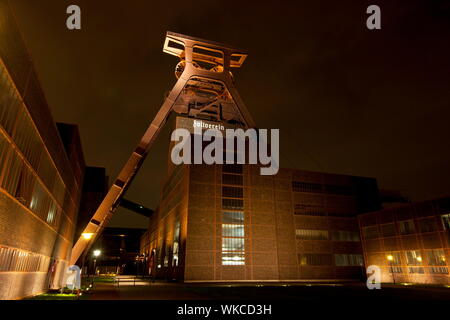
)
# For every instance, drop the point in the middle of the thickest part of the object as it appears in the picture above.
(347, 99)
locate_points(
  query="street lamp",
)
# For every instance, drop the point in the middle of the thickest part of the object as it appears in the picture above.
(390, 258)
(96, 253)
(87, 236)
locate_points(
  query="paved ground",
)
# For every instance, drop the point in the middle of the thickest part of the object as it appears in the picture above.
(302, 292)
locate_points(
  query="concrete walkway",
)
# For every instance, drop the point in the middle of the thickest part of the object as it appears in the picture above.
(303, 292)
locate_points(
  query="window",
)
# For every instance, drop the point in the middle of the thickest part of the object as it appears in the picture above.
(436, 257)
(232, 179)
(344, 235)
(315, 259)
(395, 258)
(233, 241)
(388, 230)
(8, 102)
(12, 169)
(407, 227)
(233, 259)
(25, 186)
(298, 186)
(233, 204)
(232, 230)
(51, 215)
(414, 261)
(233, 248)
(18, 260)
(348, 260)
(27, 139)
(439, 270)
(370, 232)
(394, 262)
(310, 213)
(446, 221)
(309, 210)
(40, 201)
(413, 258)
(427, 224)
(306, 234)
(47, 171)
(233, 244)
(232, 192)
(233, 217)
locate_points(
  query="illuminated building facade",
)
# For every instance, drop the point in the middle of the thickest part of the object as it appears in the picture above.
(410, 243)
(41, 171)
(229, 223)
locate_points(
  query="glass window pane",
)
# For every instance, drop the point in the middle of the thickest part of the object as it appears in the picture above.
(233, 244)
(306, 234)
(233, 217)
(232, 230)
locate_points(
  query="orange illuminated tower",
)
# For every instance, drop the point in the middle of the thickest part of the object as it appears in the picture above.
(204, 90)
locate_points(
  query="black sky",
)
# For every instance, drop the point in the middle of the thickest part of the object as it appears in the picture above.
(347, 100)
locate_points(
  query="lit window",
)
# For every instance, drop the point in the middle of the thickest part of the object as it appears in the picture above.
(315, 259)
(232, 259)
(407, 227)
(446, 221)
(233, 217)
(394, 262)
(388, 230)
(305, 234)
(436, 257)
(370, 232)
(414, 260)
(346, 260)
(427, 224)
(344, 235)
(233, 204)
(232, 230)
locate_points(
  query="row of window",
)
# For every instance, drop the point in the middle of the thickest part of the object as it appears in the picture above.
(419, 270)
(17, 176)
(335, 235)
(434, 257)
(326, 259)
(20, 182)
(233, 241)
(298, 186)
(318, 211)
(406, 227)
(18, 260)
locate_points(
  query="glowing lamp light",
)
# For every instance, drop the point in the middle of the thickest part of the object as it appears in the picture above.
(419, 259)
(390, 257)
(87, 236)
(97, 253)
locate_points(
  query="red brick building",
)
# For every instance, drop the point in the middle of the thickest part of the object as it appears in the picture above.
(229, 223)
(41, 175)
(410, 243)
